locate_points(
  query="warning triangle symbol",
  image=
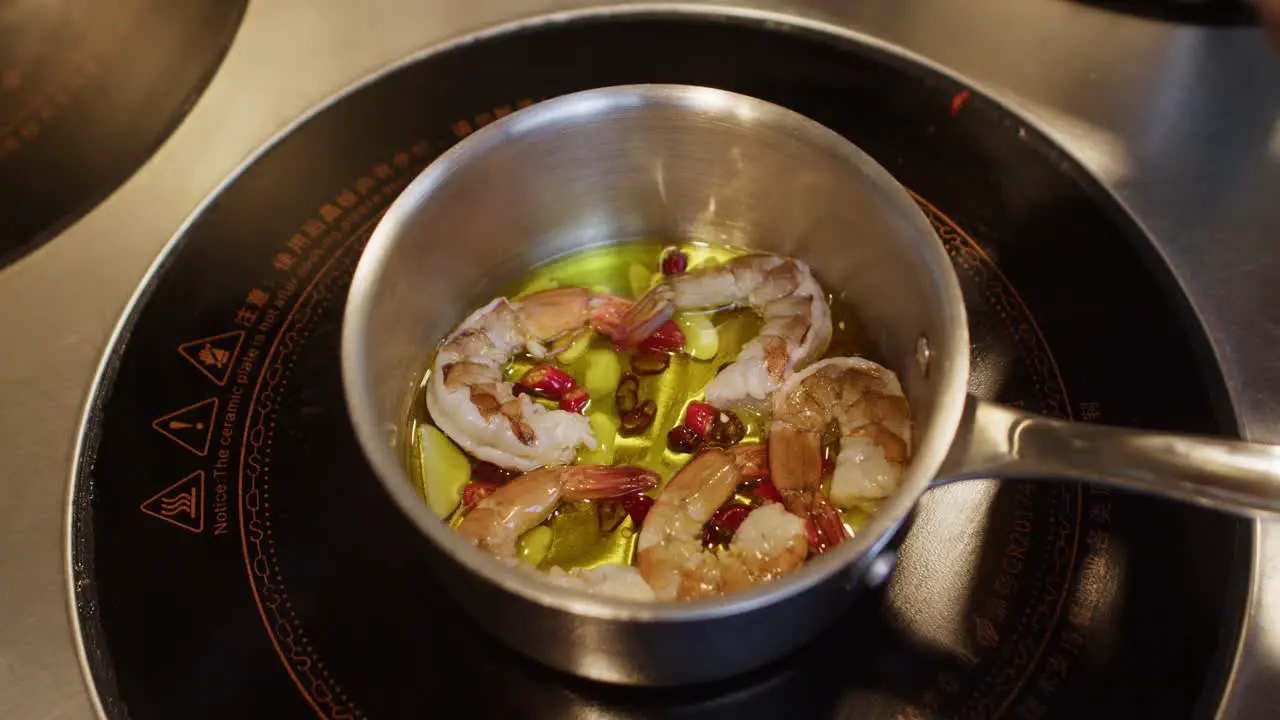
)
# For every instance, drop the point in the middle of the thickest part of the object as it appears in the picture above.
(191, 427)
(215, 355)
(182, 503)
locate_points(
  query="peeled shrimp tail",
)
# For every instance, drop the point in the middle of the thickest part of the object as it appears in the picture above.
(644, 317)
(609, 314)
(598, 482)
(795, 459)
(496, 523)
(828, 527)
(828, 523)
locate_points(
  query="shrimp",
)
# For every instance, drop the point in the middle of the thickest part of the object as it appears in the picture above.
(620, 581)
(669, 552)
(865, 401)
(797, 321)
(496, 523)
(472, 403)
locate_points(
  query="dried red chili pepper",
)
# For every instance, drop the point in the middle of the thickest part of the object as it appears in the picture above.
(627, 396)
(547, 381)
(726, 429)
(667, 338)
(575, 399)
(650, 362)
(675, 262)
(639, 419)
(766, 491)
(474, 492)
(683, 439)
(637, 506)
(490, 474)
(720, 528)
(699, 416)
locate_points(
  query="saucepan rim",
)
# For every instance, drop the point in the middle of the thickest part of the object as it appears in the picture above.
(849, 557)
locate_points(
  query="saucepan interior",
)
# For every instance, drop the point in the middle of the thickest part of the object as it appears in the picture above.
(650, 162)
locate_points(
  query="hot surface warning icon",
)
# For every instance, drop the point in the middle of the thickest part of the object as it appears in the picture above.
(191, 427)
(215, 355)
(182, 503)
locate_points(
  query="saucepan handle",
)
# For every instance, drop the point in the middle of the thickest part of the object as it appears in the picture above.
(998, 441)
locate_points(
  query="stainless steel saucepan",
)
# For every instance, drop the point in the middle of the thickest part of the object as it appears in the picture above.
(679, 162)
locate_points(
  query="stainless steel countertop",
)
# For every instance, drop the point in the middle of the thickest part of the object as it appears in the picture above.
(1183, 123)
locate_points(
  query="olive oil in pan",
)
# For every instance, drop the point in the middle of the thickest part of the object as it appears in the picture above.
(587, 534)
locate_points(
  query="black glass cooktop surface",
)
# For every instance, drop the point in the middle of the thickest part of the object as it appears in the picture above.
(233, 556)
